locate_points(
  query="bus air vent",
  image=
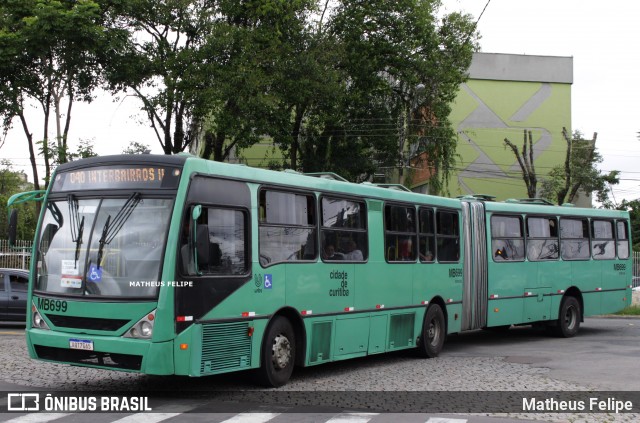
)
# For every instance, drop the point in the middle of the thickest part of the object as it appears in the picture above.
(401, 330)
(320, 342)
(91, 323)
(225, 347)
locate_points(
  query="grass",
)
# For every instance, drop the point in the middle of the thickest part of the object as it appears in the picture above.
(633, 310)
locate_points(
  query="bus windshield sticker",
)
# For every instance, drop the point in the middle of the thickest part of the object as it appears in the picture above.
(69, 268)
(95, 273)
(70, 281)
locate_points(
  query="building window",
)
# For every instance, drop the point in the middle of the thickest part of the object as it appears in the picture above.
(542, 239)
(344, 230)
(287, 223)
(507, 242)
(400, 233)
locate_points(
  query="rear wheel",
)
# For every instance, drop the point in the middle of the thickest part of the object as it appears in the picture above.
(569, 318)
(278, 353)
(434, 330)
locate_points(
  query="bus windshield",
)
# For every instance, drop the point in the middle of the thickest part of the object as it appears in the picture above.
(102, 247)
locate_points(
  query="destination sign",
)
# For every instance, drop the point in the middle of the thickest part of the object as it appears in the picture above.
(118, 177)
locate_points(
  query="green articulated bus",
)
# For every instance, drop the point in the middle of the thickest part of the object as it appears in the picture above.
(175, 265)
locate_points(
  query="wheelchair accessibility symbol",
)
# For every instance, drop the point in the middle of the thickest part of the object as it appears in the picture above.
(268, 282)
(95, 273)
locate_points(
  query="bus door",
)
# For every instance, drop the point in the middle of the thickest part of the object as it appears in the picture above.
(474, 297)
(543, 254)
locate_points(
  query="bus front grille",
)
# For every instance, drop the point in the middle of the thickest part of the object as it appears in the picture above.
(90, 358)
(92, 323)
(225, 347)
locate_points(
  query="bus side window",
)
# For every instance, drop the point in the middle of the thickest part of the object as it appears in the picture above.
(507, 241)
(574, 239)
(221, 238)
(343, 225)
(400, 232)
(288, 228)
(622, 236)
(542, 239)
(602, 242)
(447, 236)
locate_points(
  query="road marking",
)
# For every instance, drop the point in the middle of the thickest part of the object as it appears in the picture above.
(38, 418)
(146, 417)
(352, 418)
(4, 332)
(445, 420)
(251, 418)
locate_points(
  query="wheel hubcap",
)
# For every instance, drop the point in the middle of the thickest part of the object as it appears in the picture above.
(281, 351)
(434, 332)
(570, 318)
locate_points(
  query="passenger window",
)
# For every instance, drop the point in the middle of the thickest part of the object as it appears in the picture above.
(344, 230)
(400, 233)
(447, 236)
(427, 236)
(542, 239)
(602, 243)
(2, 288)
(623, 239)
(221, 238)
(574, 239)
(287, 227)
(507, 242)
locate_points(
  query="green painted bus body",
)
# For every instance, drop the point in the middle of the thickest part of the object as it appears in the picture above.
(339, 310)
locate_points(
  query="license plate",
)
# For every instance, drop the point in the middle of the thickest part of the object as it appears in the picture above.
(81, 344)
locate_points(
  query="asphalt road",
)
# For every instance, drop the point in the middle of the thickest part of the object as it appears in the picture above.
(603, 357)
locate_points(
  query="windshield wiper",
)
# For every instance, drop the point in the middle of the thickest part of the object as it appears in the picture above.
(77, 229)
(111, 229)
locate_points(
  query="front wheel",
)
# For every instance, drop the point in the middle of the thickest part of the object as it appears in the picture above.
(569, 318)
(434, 330)
(278, 353)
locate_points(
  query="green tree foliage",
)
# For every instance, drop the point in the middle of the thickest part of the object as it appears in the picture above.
(49, 56)
(375, 88)
(136, 148)
(13, 182)
(579, 172)
(633, 207)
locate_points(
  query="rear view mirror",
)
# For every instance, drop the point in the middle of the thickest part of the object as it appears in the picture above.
(47, 237)
(13, 227)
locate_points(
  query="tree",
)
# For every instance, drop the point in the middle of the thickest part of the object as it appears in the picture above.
(49, 55)
(13, 182)
(136, 148)
(161, 62)
(404, 69)
(247, 52)
(579, 172)
(633, 207)
(526, 162)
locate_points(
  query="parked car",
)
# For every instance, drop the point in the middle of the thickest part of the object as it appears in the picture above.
(13, 294)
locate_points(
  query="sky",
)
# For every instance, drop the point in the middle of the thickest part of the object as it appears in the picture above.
(602, 37)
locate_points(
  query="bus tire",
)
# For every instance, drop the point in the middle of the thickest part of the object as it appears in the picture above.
(434, 330)
(278, 353)
(569, 318)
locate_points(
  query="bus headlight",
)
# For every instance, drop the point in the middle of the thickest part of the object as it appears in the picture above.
(143, 329)
(37, 321)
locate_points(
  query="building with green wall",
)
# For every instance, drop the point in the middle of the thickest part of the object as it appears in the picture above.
(505, 95)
